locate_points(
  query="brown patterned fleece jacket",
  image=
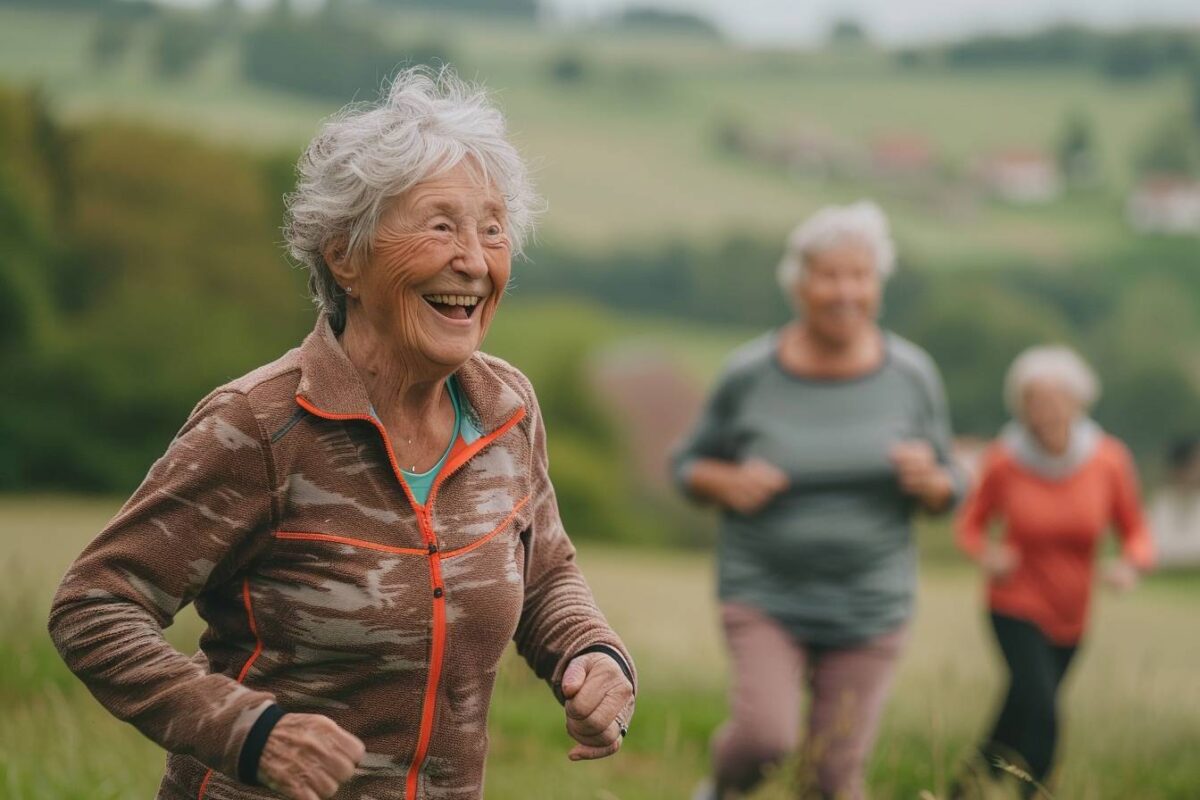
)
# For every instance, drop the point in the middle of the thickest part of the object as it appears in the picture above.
(279, 511)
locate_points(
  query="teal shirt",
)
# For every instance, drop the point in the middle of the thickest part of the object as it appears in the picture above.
(831, 557)
(420, 483)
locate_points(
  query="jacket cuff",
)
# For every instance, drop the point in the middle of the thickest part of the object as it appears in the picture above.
(255, 743)
(613, 653)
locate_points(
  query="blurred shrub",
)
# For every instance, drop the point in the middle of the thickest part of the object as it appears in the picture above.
(145, 271)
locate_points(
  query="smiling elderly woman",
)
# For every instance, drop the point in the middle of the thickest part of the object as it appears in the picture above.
(365, 523)
(819, 442)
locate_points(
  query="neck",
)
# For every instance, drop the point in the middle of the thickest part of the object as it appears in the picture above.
(399, 382)
(1055, 446)
(837, 355)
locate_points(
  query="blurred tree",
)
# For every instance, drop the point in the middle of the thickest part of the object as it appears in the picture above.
(1132, 55)
(657, 20)
(847, 32)
(1077, 150)
(327, 58)
(1194, 94)
(568, 68)
(974, 329)
(526, 9)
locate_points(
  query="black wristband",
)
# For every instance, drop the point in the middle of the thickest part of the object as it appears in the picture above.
(256, 740)
(611, 652)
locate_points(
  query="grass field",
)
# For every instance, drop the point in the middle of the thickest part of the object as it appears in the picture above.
(628, 154)
(1131, 706)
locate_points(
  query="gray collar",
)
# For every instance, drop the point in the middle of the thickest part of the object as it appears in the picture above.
(1085, 437)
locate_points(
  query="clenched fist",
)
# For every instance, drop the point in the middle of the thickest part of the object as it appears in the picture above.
(998, 560)
(308, 756)
(599, 704)
(753, 484)
(920, 474)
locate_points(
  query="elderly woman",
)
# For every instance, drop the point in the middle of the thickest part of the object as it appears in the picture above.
(819, 442)
(1057, 482)
(365, 523)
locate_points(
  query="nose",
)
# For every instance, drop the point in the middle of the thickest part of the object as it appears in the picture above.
(469, 261)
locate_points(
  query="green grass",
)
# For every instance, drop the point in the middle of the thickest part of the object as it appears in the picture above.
(627, 155)
(1131, 704)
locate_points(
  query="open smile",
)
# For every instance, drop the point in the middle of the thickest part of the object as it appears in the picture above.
(453, 306)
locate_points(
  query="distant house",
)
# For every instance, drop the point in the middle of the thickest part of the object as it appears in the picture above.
(1165, 204)
(902, 156)
(1023, 177)
(805, 152)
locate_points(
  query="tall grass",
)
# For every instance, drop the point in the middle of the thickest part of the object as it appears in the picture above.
(1131, 706)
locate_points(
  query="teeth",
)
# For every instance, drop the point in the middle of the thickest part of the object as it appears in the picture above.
(467, 300)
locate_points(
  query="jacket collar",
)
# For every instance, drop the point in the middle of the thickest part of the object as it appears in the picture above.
(331, 387)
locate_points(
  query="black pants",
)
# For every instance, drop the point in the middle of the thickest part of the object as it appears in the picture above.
(1027, 725)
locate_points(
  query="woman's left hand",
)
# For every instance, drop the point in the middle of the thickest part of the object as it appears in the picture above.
(920, 474)
(599, 704)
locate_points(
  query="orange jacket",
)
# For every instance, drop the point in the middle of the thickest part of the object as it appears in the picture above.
(1054, 526)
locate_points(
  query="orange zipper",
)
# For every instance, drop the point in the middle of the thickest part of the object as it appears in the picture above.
(425, 523)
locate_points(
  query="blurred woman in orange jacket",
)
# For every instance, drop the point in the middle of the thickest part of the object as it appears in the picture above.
(1056, 482)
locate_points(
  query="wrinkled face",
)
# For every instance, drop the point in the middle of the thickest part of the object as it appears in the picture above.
(840, 293)
(1048, 409)
(439, 263)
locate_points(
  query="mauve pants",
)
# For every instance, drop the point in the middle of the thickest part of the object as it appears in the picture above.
(769, 665)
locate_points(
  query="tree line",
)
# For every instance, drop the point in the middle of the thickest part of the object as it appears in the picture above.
(141, 269)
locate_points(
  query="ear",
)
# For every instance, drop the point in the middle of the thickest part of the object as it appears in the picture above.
(344, 268)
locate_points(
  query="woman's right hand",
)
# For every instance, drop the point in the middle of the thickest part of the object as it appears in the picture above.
(308, 756)
(752, 484)
(998, 560)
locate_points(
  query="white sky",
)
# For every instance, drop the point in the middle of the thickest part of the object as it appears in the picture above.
(891, 21)
(896, 21)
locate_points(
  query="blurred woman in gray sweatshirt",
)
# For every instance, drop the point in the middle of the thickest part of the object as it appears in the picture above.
(818, 444)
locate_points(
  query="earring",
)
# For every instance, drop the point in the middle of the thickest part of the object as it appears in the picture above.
(349, 289)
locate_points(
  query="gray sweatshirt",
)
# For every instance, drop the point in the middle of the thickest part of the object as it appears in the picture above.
(832, 556)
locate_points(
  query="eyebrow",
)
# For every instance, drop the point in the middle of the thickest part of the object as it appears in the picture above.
(452, 208)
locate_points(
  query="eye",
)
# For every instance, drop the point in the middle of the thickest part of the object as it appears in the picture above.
(442, 226)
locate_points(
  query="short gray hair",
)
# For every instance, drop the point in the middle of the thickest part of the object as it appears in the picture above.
(425, 122)
(863, 222)
(1057, 363)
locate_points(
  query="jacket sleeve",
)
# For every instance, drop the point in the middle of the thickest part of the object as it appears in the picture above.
(1137, 547)
(971, 528)
(559, 618)
(193, 524)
